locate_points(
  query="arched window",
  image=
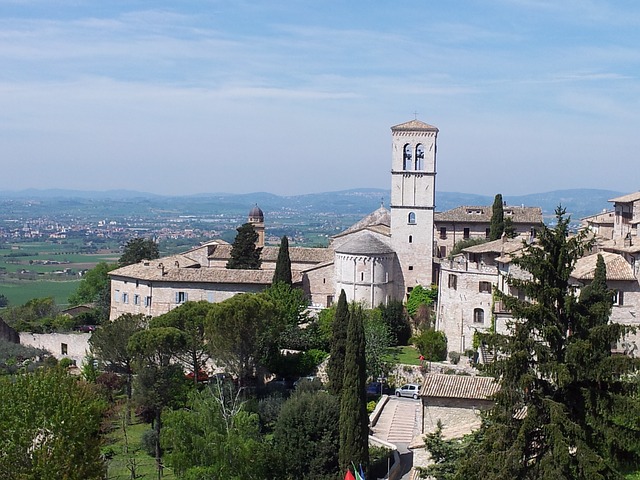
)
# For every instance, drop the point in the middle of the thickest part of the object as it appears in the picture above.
(406, 157)
(478, 315)
(410, 238)
(420, 157)
(411, 218)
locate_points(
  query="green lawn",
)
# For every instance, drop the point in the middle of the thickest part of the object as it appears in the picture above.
(20, 292)
(405, 355)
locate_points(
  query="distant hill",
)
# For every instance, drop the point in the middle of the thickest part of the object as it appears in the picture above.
(578, 202)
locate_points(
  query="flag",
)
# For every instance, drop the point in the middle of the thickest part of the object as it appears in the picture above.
(349, 475)
(361, 473)
(358, 476)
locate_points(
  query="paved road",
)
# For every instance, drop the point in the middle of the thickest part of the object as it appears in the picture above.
(399, 423)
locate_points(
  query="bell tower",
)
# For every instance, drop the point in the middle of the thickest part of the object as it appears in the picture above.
(413, 177)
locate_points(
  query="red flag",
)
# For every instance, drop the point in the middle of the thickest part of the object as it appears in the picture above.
(349, 475)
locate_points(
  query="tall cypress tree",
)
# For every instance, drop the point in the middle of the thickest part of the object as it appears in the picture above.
(497, 218)
(566, 405)
(354, 422)
(283, 263)
(244, 253)
(335, 367)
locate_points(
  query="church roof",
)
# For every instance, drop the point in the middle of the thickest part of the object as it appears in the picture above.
(364, 244)
(482, 214)
(162, 270)
(380, 218)
(270, 254)
(617, 267)
(414, 125)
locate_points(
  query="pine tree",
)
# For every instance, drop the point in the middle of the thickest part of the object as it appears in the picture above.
(335, 367)
(283, 263)
(497, 218)
(564, 409)
(354, 422)
(244, 253)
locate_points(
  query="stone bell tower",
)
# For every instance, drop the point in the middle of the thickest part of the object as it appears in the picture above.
(413, 178)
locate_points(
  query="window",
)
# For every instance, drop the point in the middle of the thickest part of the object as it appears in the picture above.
(618, 298)
(443, 232)
(485, 287)
(117, 296)
(125, 298)
(147, 301)
(420, 157)
(137, 283)
(181, 297)
(411, 218)
(329, 300)
(453, 281)
(211, 297)
(410, 267)
(478, 315)
(410, 238)
(443, 251)
(362, 276)
(406, 157)
(64, 349)
(487, 233)
(465, 233)
(136, 299)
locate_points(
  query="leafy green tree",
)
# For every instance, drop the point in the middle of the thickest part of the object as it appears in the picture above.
(306, 435)
(244, 253)
(354, 421)
(37, 315)
(214, 437)
(138, 249)
(377, 338)
(421, 296)
(566, 407)
(12, 356)
(497, 218)
(240, 332)
(444, 455)
(462, 244)
(93, 286)
(335, 367)
(509, 228)
(109, 343)
(189, 318)
(50, 425)
(395, 317)
(159, 382)
(432, 345)
(283, 263)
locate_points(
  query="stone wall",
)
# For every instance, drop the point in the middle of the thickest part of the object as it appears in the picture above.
(74, 346)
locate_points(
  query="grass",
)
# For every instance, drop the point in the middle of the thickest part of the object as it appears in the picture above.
(125, 452)
(20, 292)
(407, 355)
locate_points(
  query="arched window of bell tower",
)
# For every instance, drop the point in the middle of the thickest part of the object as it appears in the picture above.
(420, 157)
(406, 157)
(411, 218)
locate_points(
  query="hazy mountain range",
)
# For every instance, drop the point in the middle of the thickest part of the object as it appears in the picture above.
(578, 202)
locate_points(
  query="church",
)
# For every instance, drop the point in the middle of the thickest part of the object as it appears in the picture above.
(380, 258)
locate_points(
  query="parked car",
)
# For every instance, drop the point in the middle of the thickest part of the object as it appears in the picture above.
(378, 388)
(409, 390)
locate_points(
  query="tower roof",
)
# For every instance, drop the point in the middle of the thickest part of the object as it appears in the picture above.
(414, 125)
(256, 213)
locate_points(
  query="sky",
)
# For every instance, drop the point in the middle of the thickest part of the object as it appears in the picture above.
(298, 96)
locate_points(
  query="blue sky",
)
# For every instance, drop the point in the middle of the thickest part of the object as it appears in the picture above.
(293, 97)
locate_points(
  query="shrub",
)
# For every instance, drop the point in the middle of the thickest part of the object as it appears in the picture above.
(148, 442)
(454, 357)
(432, 345)
(371, 406)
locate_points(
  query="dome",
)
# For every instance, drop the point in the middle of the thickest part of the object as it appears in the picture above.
(256, 215)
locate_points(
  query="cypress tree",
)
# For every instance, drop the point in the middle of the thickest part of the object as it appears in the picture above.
(354, 422)
(335, 366)
(566, 405)
(497, 218)
(283, 263)
(244, 253)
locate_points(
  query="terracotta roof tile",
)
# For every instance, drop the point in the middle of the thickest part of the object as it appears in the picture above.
(617, 267)
(631, 197)
(482, 214)
(414, 125)
(458, 386)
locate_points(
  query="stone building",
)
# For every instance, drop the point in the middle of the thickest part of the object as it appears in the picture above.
(381, 257)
